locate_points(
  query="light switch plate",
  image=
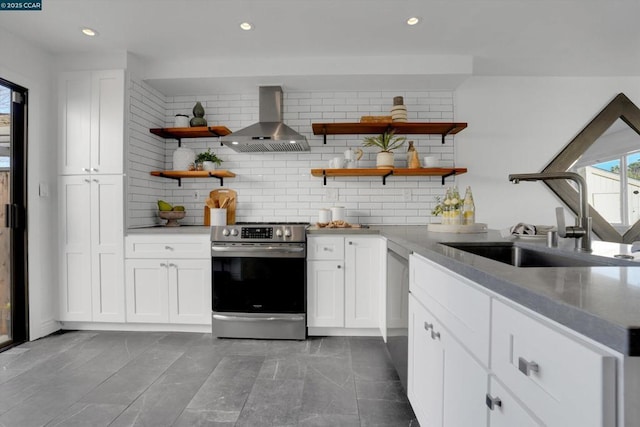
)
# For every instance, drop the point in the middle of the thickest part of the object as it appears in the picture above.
(406, 195)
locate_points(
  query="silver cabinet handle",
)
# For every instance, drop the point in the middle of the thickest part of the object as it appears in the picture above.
(435, 335)
(428, 326)
(351, 243)
(87, 181)
(85, 170)
(94, 170)
(172, 265)
(492, 402)
(527, 367)
(326, 249)
(96, 180)
(169, 248)
(163, 264)
(339, 266)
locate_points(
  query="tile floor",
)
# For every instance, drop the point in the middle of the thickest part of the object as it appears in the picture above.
(188, 379)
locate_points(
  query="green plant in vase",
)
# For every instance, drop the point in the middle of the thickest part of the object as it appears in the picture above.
(208, 159)
(386, 142)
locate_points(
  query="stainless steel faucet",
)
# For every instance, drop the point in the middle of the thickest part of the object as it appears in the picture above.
(582, 230)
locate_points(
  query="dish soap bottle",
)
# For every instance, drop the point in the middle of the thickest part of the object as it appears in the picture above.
(469, 208)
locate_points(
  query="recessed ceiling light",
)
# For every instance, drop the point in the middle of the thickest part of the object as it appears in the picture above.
(89, 32)
(235, 142)
(413, 20)
(246, 26)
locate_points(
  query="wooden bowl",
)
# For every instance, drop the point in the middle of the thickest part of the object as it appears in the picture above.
(172, 217)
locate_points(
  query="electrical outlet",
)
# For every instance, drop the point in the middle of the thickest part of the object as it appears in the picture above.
(196, 195)
(332, 194)
(406, 195)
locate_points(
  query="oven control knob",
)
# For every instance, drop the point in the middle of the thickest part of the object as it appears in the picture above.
(225, 232)
(234, 232)
(287, 232)
(278, 233)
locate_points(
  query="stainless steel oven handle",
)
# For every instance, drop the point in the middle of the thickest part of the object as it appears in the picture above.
(258, 319)
(257, 249)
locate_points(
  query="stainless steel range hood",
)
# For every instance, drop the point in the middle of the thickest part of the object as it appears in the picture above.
(270, 133)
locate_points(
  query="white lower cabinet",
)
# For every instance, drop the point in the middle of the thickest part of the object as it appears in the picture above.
(344, 281)
(446, 382)
(174, 290)
(538, 373)
(91, 248)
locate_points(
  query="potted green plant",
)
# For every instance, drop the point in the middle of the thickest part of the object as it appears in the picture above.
(208, 160)
(386, 142)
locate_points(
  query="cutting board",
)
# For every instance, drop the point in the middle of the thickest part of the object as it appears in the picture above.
(219, 195)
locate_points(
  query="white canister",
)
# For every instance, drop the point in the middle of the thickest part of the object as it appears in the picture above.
(181, 121)
(218, 216)
(182, 158)
(337, 213)
(324, 216)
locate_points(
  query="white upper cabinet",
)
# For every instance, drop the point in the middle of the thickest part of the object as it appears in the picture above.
(92, 117)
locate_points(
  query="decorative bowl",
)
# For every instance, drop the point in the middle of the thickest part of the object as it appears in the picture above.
(172, 217)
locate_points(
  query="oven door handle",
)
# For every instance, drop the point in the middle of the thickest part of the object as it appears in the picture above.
(293, 318)
(269, 249)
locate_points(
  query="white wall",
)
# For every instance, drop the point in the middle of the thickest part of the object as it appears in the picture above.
(30, 67)
(279, 186)
(518, 125)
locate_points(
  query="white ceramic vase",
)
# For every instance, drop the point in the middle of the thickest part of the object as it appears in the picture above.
(182, 158)
(208, 166)
(384, 160)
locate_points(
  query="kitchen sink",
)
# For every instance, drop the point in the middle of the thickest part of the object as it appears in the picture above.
(518, 256)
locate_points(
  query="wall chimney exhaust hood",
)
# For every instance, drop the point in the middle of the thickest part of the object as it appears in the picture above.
(270, 133)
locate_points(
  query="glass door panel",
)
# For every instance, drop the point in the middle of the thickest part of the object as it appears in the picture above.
(5, 199)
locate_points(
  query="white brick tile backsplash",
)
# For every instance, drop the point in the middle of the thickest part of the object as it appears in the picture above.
(278, 186)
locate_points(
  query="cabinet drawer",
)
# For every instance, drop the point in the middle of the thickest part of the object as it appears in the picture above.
(168, 246)
(456, 301)
(561, 379)
(325, 248)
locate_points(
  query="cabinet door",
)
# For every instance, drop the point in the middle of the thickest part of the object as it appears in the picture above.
(190, 291)
(465, 384)
(107, 252)
(74, 98)
(425, 381)
(75, 248)
(107, 121)
(364, 261)
(508, 413)
(325, 294)
(147, 290)
(91, 108)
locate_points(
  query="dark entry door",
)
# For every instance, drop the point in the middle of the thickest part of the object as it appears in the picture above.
(13, 197)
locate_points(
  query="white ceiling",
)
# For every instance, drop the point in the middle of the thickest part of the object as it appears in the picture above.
(499, 37)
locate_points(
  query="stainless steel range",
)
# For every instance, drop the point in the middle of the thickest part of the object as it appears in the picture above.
(259, 280)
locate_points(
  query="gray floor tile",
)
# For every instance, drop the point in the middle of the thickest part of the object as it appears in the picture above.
(272, 403)
(386, 413)
(381, 390)
(87, 414)
(328, 420)
(224, 393)
(329, 388)
(163, 402)
(129, 382)
(190, 379)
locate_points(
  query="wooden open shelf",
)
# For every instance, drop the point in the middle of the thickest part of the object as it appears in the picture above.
(384, 173)
(193, 132)
(178, 175)
(407, 128)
